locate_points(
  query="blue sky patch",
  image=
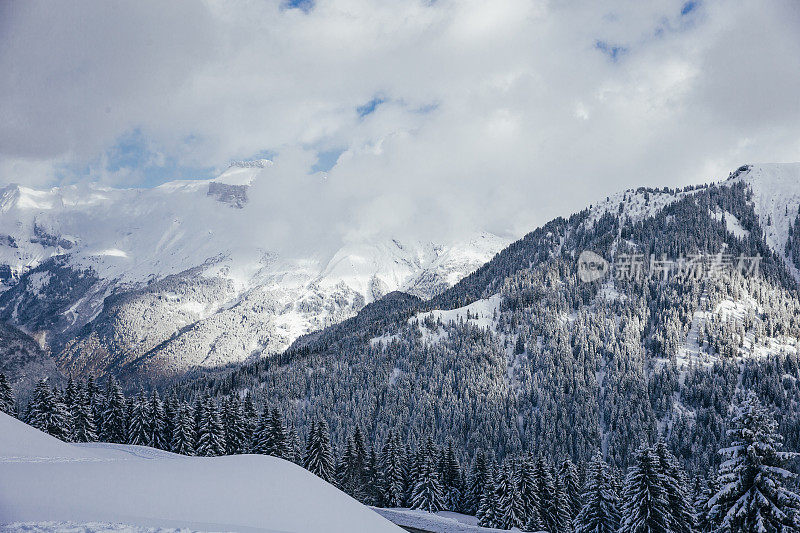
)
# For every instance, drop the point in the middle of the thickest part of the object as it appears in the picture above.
(689, 6)
(326, 160)
(369, 107)
(612, 51)
(303, 5)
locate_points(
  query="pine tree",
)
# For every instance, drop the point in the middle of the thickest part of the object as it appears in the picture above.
(450, 471)
(476, 482)
(754, 496)
(114, 426)
(48, 414)
(703, 521)
(139, 423)
(6, 396)
(572, 487)
(183, 436)
(680, 505)
(427, 494)
(83, 428)
(210, 437)
(600, 512)
(561, 505)
(294, 446)
(545, 496)
(319, 458)
(509, 512)
(250, 424)
(645, 504)
(233, 422)
(488, 506)
(526, 484)
(157, 423)
(391, 473)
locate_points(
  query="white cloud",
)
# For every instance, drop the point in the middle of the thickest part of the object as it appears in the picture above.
(496, 115)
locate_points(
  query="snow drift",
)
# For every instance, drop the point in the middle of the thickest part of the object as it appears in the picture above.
(44, 479)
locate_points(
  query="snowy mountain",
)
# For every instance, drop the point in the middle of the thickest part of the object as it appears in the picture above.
(524, 356)
(46, 484)
(163, 280)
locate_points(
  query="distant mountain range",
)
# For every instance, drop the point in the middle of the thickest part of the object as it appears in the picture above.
(144, 283)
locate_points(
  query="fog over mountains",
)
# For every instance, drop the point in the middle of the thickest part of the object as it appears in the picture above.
(191, 274)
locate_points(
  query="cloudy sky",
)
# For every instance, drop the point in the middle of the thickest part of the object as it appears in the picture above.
(430, 117)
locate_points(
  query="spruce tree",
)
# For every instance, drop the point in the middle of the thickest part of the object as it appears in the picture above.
(319, 459)
(427, 494)
(139, 423)
(488, 506)
(114, 426)
(183, 436)
(210, 437)
(680, 505)
(600, 511)
(83, 428)
(6, 396)
(158, 422)
(572, 487)
(450, 471)
(391, 472)
(48, 414)
(476, 483)
(645, 504)
(753, 495)
(545, 496)
(509, 512)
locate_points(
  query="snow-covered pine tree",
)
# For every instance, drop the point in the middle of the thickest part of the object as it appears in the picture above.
(139, 423)
(83, 428)
(561, 505)
(509, 512)
(754, 495)
(211, 437)
(294, 447)
(645, 505)
(427, 494)
(391, 472)
(6, 396)
(183, 437)
(572, 487)
(526, 484)
(680, 504)
(250, 424)
(488, 506)
(233, 422)
(703, 521)
(319, 459)
(158, 423)
(476, 483)
(271, 434)
(545, 496)
(114, 427)
(450, 470)
(171, 407)
(600, 511)
(48, 414)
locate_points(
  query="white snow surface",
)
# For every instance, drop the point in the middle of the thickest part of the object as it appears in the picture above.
(49, 485)
(776, 199)
(441, 522)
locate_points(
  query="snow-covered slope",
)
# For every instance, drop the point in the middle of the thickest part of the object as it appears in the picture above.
(44, 479)
(180, 276)
(776, 200)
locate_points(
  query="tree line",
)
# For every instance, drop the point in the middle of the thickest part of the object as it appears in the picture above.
(753, 489)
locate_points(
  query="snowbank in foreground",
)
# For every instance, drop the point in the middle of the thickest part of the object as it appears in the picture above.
(45, 480)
